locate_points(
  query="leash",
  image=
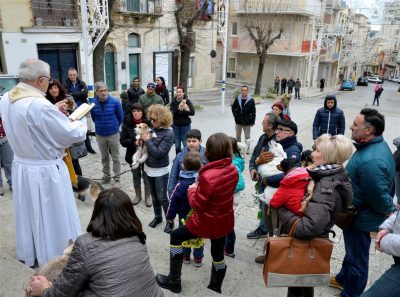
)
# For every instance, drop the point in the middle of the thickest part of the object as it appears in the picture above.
(114, 176)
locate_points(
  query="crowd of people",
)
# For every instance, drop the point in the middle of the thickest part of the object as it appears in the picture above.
(201, 187)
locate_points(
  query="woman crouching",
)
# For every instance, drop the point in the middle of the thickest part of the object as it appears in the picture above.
(211, 199)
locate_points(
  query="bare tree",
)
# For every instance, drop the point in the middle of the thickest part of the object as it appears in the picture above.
(264, 29)
(185, 17)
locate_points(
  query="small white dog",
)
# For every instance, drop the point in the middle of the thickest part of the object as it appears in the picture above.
(141, 151)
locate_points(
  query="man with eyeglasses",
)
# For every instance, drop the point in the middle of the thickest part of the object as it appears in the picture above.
(45, 212)
(107, 116)
(285, 134)
(150, 97)
(371, 170)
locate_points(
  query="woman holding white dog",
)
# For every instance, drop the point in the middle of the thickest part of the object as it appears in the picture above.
(181, 108)
(156, 166)
(128, 140)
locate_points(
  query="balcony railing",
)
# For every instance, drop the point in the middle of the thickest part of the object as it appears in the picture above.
(55, 13)
(296, 7)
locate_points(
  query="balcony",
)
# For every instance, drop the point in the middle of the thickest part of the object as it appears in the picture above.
(55, 13)
(141, 8)
(300, 7)
(282, 47)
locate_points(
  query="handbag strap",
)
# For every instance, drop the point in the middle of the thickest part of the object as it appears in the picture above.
(292, 229)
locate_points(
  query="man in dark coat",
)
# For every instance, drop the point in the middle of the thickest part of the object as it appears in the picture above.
(244, 112)
(329, 119)
(131, 96)
(78, 90)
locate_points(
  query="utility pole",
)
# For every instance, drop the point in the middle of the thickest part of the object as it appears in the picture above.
(310, 56)
(223, 14)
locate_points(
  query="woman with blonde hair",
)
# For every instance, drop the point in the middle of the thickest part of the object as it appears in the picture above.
(156, 166)
(332, 192)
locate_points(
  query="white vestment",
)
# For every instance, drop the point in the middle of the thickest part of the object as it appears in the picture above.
(45, 212)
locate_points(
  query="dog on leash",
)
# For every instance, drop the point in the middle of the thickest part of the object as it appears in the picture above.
(87, 187)
(140, 155)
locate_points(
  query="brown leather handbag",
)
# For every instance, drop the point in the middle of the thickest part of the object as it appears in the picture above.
(292, 262)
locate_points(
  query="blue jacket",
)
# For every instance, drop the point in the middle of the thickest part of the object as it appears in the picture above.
(179, 203)
(177, 166)
(158, 148)
(238, 161)
(329, 121)
(107, 116)
(371, 170)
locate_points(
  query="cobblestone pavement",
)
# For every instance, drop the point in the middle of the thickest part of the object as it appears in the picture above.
(244, 276)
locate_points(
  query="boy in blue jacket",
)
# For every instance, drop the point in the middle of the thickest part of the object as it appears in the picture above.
(179, 203)
(193, 140)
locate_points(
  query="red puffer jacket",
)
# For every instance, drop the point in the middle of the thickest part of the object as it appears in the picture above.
(212, 200)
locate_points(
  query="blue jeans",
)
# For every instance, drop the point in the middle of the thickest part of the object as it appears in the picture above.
(230, 240)
(397, 185)
(180, 135)
(198, 253)
(158, 191)
(354, 273)
(388, 285)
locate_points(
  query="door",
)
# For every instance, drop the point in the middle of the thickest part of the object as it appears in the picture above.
(109, 67)
(60, 57)
(134, 60)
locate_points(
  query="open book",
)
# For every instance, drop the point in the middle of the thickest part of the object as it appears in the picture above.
(81, 111)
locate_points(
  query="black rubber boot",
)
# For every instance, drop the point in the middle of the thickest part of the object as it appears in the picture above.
(169, 227)
(217, 277)
(155, 222)
(172, 282)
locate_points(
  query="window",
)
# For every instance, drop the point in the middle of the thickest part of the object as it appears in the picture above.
(231, 68)
(144, 6)
(134, 40)
(234, 29)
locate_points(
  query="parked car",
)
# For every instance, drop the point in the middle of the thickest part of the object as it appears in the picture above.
(362, 81)
(347, 84)
(6, 83)
(375, 79)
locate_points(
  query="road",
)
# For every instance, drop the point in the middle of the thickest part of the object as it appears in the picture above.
(244, 276)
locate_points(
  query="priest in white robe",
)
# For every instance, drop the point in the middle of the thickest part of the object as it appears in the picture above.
(45, 213)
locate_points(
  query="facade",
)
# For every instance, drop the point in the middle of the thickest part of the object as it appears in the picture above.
(29, 29)
(287, 57)
(143, 42)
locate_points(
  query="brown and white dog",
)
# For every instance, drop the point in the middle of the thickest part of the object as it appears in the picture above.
(141, 155)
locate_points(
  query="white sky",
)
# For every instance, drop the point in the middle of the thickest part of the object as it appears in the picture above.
(367, 7)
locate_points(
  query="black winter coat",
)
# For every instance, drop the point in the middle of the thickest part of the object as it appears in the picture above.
(158, 148)
(246, 115)
(329, 121)
(129, 97)
(181, 117)
(128, 136)
(332, 192)
(164, 94)
(79, 96)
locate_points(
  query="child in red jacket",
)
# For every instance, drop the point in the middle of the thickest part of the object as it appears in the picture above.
(293, 187)
(211, 199)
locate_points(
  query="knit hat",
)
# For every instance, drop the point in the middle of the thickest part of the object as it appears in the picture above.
(289, 124)
(396, 142)
(277, 104)
(151, 85)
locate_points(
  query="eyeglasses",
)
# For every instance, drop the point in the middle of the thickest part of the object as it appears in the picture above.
(153, 119)
(281, 129)
(48, 78)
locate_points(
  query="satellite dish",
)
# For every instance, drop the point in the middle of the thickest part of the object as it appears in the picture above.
(213, 54)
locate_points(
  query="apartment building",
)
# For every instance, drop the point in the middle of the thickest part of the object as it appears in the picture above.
(287, 56)
(142, 43)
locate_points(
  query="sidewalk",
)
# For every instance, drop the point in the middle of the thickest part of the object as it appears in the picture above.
(244, 276)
